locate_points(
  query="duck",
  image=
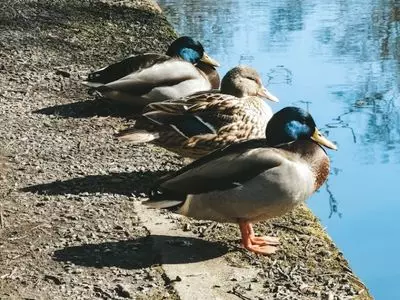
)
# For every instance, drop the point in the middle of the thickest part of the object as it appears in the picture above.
(151, 77)
(253, 180)
(199, 124)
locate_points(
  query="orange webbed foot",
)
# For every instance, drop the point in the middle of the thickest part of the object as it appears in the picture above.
(265, 250)
(262, 245)
(264, 240)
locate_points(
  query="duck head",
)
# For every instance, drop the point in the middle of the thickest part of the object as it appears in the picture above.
(292, 124)
(190, 50)
(243, 81)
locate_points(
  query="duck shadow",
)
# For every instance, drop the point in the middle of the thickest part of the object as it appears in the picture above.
(141, 252)
(91, 108)
(114, 183)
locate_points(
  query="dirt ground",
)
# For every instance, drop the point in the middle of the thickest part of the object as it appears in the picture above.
(71, 223)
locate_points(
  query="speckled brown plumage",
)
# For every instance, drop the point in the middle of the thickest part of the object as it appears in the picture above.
(199, 124)
(234, 120)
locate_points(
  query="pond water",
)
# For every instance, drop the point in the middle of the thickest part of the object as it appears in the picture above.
(341, 60)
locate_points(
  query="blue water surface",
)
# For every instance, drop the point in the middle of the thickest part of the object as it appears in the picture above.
(341, 60)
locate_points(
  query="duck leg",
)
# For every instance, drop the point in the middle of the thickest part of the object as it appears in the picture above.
(260, 245)
(262, 240)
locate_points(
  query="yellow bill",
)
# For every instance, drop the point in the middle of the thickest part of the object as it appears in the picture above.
(320, 139)
(208, 60)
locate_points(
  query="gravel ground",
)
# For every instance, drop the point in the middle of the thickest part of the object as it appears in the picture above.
(69, 192)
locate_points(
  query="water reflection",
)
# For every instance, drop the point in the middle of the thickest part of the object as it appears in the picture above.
(340, 60)
(372, 41)
(285, 17)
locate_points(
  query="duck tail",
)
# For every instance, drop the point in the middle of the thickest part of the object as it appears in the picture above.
(95, 88)
(160, 198)
(137, 136)
(170, 204)
(92, 84)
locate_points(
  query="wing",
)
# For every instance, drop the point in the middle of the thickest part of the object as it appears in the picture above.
(196, 102)
(201, 114)
(184, 124)
(184, 116)
(220, 170)
(131, 64)
(166, 74)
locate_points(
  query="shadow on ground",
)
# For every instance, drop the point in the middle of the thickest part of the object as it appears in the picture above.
(113, 183)
(90, 108)
(142, 252)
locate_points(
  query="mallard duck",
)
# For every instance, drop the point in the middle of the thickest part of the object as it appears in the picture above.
(199, 124)
(253, 180)
(141, 79)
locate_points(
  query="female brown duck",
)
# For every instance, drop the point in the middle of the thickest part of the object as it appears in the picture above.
(196, 125)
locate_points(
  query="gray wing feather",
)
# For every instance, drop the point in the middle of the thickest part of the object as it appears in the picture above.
(167, 73)
(225, 172)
